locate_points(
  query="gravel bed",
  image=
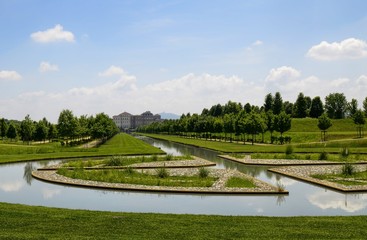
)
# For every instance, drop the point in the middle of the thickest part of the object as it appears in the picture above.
(217, 188)
(277, 162)
(305, 172)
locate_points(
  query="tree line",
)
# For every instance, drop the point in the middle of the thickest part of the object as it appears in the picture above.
(234, 121)
(69, 128)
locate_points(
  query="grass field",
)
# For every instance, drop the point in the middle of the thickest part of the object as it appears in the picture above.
(28, 222)
(120, 144)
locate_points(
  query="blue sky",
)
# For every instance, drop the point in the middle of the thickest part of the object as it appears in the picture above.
(175, 56)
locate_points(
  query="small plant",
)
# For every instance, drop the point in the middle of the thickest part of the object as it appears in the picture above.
(129, 170)
(323, 156)
(203, 172)
(114, 161)
(169, 157)
(154, 158)
(308, 157)
(344, 153)
(348, 169)
(162, 172)
(289, 150)
(280, 186)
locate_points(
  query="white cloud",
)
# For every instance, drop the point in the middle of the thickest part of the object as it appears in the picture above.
(53, 35)
(338, 82)
(283, 73)
(112, 71)
(350, 48)
(50, 193)
(48, 67)
(9, 75)
(362, 81)
(257, 43)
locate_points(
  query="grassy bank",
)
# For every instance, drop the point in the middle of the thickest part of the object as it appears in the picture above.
(120, 144)
(26, 222)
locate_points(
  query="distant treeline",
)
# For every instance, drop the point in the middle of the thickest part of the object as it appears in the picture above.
(222, 121)
(70, 129)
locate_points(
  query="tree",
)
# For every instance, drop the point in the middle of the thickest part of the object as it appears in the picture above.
(288, 107)
(41, 131)
(359, 120)
(352, 107)
(336, 105)
(67, 124)
(12, 132)
(3, 128)
(365, 106)
(27, 129)
(269, 101)
(218, 125)
(228, 125)
(270, 123)
(278, 104)
(52, 132)
(283, 123)
(324, 123)
(254, 125)
(300, 107)
(317, 107)
(103, 127)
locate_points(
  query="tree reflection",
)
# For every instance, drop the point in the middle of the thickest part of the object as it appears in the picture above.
(27, 176)
(280, 200)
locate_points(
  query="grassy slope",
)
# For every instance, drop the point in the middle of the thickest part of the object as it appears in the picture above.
(25, 222)
(121, 144)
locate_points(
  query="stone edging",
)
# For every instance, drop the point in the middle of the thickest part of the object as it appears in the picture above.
(304, 173)
(217, 188)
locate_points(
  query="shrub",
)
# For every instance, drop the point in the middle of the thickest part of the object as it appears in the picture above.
(308, 157)
(323, 155)
(114, 161)
(344, 152)
(154, 158)
(203, 172)
(162, 172)
(348, 169)
(169, 157)
(289, 150)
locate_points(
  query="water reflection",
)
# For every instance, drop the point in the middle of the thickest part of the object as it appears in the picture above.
(50, 193)
(11, 186)
(27, 176)
(332, 200)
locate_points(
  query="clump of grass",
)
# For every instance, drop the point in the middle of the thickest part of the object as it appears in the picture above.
(238, 182)
(323, 156)
(162, 172)
(169, 157)
(348, 169)
(280, 187)
(129, 170)
(344, 153)
(308, 157)
(289, 150)
(114, 161)
(203, 172)
(154, 158)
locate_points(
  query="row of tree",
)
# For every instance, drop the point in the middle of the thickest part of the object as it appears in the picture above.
(336, 106)
(233, 119)
(69, 127)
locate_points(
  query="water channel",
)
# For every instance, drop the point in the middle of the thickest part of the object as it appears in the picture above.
(18, 186)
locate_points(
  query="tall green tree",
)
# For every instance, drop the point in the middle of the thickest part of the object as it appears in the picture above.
(12, 132)
(300, 107)
(270, 123)
(3, 128)
(324, 123)
(278, 104)
(254, 125)
(359, 120)
(228, 125)
(27, 129)
(317, 107)
(365, 106)
(41, 131)
(269, 101)
(67, 124)
(283, 122)
(336, 105)
(352, 107)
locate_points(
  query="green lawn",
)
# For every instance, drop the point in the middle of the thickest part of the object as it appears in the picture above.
(120, 144)
(26, 222)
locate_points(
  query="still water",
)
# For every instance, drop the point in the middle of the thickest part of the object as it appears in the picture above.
(18, 186)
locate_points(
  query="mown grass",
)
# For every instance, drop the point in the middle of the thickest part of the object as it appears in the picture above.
(135, 177)
(237, 182)
(28, 222)
(357, 178)
(120, 144)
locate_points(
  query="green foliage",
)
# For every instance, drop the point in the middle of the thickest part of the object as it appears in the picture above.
(283, 122)
(348, 169)
(323, 155)
(203, 172)
(289, 150)
(169, 157)
(114, 161)
(336, 105)
(317, 107)
(162, 172)
(300, 107)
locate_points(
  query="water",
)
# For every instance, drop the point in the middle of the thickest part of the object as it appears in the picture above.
(18, 186)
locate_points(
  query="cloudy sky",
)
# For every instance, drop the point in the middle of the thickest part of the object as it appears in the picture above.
(175, 56)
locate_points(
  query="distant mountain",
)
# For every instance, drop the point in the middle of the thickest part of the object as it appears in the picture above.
(169, 115)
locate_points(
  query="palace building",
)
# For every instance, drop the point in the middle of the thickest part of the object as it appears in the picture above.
(125, 120)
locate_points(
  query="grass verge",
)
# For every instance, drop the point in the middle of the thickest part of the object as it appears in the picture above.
(28, 222)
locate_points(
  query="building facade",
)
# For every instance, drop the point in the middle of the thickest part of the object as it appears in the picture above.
(125, 120)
